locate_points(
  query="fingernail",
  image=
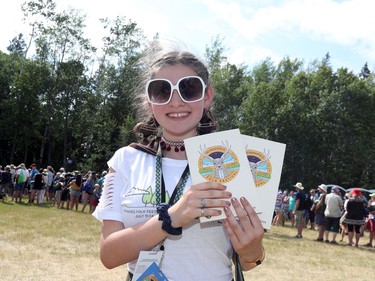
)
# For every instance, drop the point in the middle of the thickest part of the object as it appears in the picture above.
(220, 212)
(229, 194)
(228, 203)
(233, 199)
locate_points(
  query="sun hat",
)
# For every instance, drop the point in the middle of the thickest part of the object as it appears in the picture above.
(323, 187)
(299, 186)
(372, 195)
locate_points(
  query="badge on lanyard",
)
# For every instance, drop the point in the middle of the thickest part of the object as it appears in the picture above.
(152, 273)
(147, 266)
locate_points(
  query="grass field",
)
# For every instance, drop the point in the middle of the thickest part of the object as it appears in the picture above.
(45, 243)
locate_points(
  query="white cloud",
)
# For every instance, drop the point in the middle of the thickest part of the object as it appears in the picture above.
(246, 26)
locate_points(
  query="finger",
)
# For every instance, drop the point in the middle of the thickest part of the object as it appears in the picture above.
(212, 203)
(209, 186)
(251, 213)
(207, 212)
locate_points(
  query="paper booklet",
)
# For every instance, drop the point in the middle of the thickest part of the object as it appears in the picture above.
(266, 161)
(220, 157)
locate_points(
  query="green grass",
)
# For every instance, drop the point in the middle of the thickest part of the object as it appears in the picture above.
(46, 243)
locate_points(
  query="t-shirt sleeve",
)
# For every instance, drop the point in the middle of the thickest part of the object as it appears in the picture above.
(109, 207)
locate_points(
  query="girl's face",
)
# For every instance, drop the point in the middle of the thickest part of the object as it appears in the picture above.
(177, 118)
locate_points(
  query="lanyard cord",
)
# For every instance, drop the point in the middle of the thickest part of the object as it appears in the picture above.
(160, 184)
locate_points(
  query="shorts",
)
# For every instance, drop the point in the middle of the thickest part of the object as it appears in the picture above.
(312, 216)
(19, 187)
(58, 195)
(320, 219)
(299, 217)
(332, 224)
(75, 193)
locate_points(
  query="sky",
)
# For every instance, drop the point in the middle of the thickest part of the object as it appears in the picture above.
(251, 30)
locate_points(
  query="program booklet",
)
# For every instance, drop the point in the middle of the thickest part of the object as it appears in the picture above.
(266, 162)
(220, 157)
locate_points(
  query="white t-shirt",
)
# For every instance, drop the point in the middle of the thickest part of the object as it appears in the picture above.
(202, 252)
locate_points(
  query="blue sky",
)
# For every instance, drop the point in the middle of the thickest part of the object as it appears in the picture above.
(252, 30)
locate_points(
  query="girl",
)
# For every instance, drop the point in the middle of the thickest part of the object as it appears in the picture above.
(132, 208)
(75, 191)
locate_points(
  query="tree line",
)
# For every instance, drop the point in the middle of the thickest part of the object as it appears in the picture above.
(67, 102)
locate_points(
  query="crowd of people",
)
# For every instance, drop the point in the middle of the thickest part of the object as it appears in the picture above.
(329, 213)
(65, 190)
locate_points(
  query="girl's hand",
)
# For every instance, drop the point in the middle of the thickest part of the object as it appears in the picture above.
(246, 233)
(200, 200)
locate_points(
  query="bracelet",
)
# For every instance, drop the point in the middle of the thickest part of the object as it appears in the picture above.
(259, 260)
(162, 210)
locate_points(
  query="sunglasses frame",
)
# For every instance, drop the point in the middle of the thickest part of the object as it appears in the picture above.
(175, 87)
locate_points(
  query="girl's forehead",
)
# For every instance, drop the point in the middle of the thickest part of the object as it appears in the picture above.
(174, 72)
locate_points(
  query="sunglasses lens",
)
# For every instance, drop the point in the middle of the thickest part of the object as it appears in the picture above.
(191, 89)
(159, 91)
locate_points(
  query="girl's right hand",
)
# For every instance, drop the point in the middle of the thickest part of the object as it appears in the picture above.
(199, 200)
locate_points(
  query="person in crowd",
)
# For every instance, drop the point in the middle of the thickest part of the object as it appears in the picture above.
(33, 172)
(343, 225)
(310, 210)
(101, 181)
(278, 208)
(44, 188)
(291, 207)
(59, 184)
(333, 213)
(370, 222)
(50, 192)
(178, 97)
(65, 194)
(88, 191)
(96, 196)
(13, 173)
(21, 177)
(355, 215)
(319, 208)
(5, 182)
(299, 210)
(37, 186)
(75, 191)
(285, 213)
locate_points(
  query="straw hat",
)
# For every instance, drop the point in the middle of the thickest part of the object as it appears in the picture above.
(323, 187)
(299, 186)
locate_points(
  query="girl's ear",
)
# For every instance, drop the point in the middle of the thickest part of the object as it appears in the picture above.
(208, 96)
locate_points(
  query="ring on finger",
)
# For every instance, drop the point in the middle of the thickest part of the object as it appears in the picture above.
(203, 203)
(202, 212)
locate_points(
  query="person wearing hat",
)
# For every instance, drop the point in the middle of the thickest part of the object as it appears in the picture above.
(22, 176)
(299, 209)
(319, 208)
(355, 215)
(333, 213)
(370, 222)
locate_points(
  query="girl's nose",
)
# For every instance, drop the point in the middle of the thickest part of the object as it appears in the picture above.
(176, 99)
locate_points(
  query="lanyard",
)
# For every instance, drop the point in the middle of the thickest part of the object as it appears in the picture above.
(160, 184)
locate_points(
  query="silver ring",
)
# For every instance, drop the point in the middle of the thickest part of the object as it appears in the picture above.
(203, 203)
(202, 212)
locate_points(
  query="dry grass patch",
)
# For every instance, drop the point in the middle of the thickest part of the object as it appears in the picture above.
(46, 243)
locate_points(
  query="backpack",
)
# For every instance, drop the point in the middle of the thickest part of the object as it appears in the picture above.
(21, 177)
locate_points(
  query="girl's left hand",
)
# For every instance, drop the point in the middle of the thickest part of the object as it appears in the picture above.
(246, 232)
